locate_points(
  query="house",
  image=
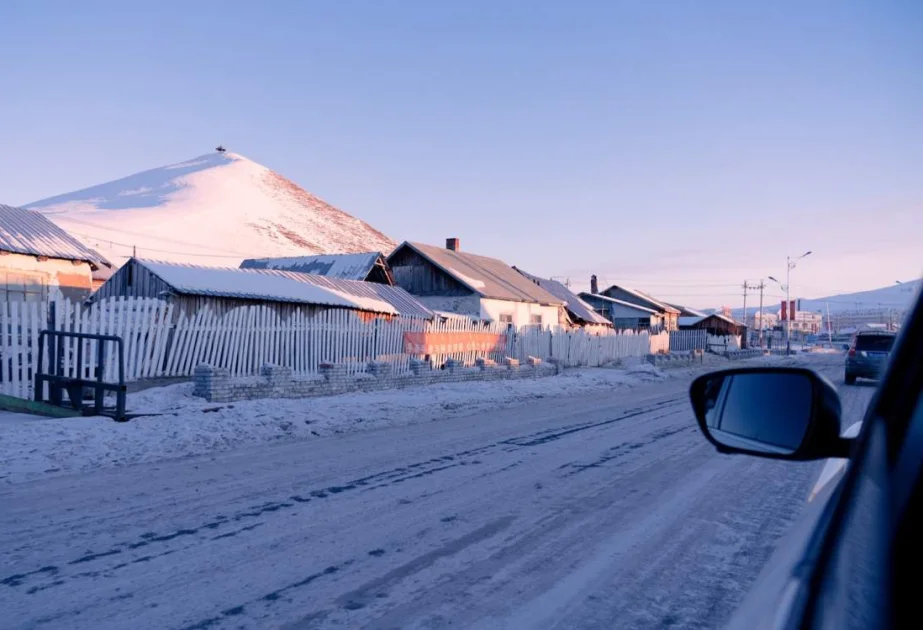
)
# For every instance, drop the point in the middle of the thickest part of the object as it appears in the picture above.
(193, 288)
(576, 312)
(367, 267)
(624, 315)
(670, 314)
(766, 321)
(457, 282)
(40, 261)
(716, 324)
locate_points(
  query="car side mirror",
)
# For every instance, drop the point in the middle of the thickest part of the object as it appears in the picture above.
(774, 412)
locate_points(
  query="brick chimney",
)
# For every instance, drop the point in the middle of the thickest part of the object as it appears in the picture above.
(594, 285)
(453, 243)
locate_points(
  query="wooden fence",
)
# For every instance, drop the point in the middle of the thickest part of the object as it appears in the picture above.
(159, 342)
(686, 340)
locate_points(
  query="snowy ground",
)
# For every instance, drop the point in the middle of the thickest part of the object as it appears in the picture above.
(600, 510)
(32, 447)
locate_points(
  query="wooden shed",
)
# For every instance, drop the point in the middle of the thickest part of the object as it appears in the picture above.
(220, 289)
(715, 324)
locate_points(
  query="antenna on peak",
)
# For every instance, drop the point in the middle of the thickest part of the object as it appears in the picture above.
(220, 149)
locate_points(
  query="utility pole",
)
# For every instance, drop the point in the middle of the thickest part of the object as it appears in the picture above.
(762, 286)
(753, 287)
(746, 287)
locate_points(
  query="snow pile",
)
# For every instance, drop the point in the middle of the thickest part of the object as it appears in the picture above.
(182, 425)
(229, 207)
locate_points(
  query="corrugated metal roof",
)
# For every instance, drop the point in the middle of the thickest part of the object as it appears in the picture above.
(573, 303)
(345, 266)
(489, 277)
(663, 306)
(606, 298)
(28, 232)
(258, 284)
(405, 304)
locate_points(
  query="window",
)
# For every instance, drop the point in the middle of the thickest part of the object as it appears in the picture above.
(535, 320)
(22, 287)
(506, 318)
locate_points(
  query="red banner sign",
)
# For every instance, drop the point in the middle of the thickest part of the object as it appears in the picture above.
(451, 342)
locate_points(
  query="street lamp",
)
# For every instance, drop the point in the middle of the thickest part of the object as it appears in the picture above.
(790, 263)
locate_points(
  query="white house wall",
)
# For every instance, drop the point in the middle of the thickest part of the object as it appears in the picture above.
(522, 312)
(61, 278)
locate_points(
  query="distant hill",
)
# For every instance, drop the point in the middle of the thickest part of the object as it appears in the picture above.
(217, 208)
(899, 297)
(896, 296)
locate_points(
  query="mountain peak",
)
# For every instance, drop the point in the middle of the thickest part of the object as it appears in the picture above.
(217, 208)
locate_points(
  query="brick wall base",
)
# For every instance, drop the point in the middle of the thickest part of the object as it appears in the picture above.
(215, 384)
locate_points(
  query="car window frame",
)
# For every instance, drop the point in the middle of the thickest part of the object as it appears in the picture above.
(896, 396)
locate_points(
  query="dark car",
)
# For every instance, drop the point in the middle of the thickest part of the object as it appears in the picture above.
(868, 355)
(854, 559)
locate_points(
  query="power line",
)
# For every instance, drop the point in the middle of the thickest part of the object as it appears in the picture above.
(145, 235)
(162, 251)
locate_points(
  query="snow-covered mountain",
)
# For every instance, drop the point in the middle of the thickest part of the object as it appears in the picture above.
(218, 208)
(896, 296)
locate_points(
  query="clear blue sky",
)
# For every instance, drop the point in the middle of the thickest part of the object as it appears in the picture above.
(681, 148)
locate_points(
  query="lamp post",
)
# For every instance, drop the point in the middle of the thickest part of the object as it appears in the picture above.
(790, 263)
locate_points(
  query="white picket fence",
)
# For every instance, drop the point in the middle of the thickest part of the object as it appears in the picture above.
(576, 347)
(20, 324)
(158, 342)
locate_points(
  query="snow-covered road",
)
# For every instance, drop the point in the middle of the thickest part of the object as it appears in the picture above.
(607, 510)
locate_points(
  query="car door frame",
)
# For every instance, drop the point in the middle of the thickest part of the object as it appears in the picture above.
(887, 419)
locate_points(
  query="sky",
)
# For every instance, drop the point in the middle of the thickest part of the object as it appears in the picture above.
(680, 147)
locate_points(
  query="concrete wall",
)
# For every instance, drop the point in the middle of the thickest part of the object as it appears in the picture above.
(61, 278)
(521, 312)
(215, 385)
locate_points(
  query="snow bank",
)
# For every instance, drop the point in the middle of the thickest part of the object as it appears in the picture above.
(182, 426)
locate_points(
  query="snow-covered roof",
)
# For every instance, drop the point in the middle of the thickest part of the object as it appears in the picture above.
(258, 284)
(686, 311)
(26, 232)
(404, 304)
(692, 321)
(606, 298)
(641, 295)
(345, 266)
(489, 277)
(577, 307)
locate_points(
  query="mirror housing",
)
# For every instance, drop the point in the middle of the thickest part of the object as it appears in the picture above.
(773, 412)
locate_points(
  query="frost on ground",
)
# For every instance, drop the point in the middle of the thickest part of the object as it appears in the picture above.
(182, 425)
(606, 509)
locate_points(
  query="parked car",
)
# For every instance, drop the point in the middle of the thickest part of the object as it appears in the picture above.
(854, 558)
(868, 354)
